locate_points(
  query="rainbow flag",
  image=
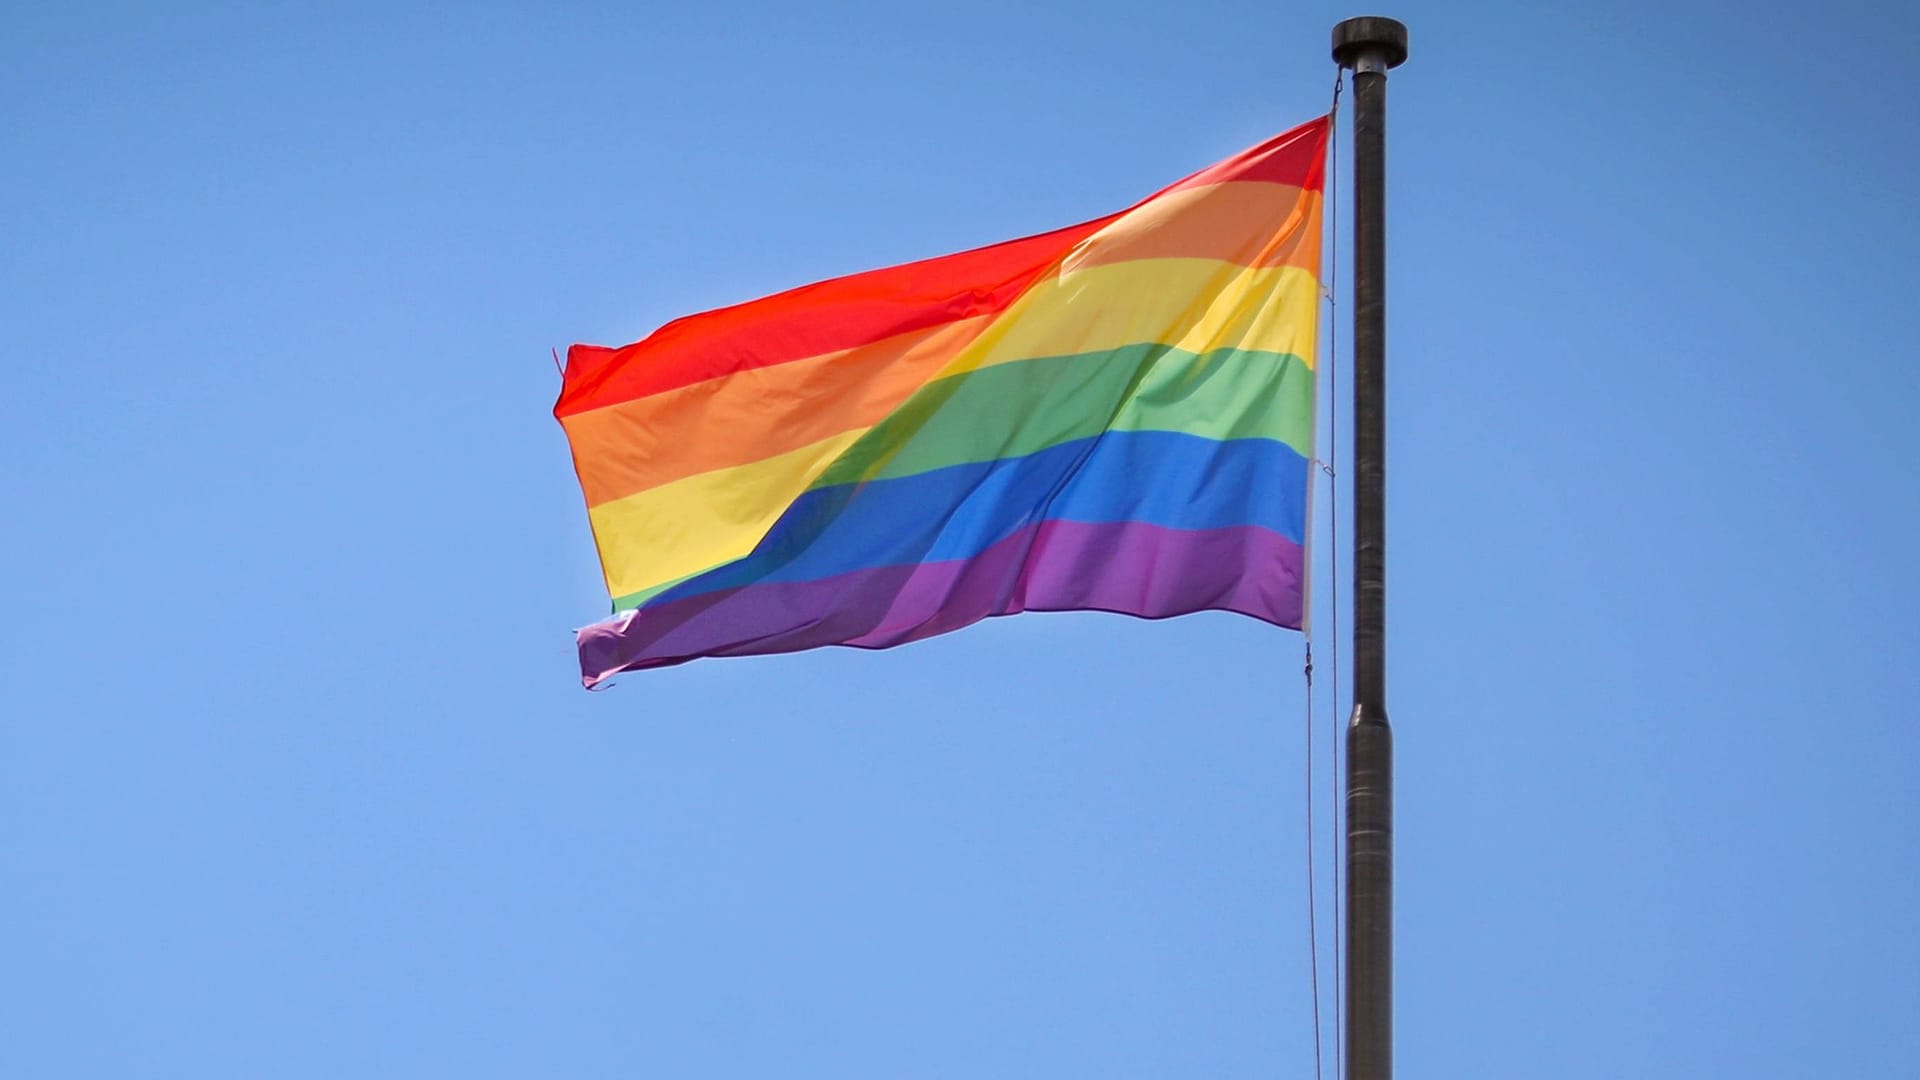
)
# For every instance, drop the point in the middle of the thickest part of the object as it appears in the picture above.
(1113, 416)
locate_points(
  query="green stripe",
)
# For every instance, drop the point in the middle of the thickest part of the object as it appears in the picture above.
(635, 599)
(1015, 409)
(1020, 408)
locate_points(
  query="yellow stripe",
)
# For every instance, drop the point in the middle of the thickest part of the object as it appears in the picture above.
(1194, 304)
(686, 526)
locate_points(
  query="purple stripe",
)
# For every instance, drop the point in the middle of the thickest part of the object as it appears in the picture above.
(1127, 567)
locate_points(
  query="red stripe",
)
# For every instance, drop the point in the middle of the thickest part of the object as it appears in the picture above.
(813, 319)
(845, 312)
(1297, 157)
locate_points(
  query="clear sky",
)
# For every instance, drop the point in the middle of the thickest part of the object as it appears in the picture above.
(296, 775)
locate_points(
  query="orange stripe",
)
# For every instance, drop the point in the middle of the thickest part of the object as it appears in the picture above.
(755, 414)
(761, 412)
(1247, 224)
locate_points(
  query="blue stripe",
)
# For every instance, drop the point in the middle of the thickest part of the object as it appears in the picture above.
(1162, 478)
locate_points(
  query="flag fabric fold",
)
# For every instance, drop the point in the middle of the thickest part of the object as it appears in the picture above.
(1113, 416)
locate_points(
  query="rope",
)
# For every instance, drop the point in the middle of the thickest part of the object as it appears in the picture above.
(1313, 922)
(1325, 465)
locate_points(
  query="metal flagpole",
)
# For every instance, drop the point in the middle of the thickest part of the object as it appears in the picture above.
(1369, 46)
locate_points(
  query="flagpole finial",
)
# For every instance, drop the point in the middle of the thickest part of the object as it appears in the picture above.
(1369, 40)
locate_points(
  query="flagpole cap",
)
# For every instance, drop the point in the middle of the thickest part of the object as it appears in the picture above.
(1370, 36)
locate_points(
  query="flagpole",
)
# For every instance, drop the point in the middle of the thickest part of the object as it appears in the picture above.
(1369, 46)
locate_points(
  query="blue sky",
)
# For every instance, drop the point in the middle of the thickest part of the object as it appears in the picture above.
(296, 777)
